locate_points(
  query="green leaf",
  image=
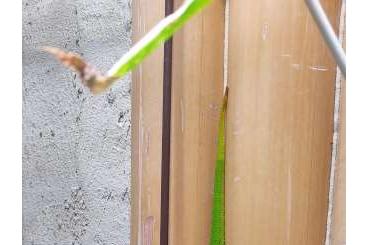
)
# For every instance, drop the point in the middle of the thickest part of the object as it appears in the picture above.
(160, 33)
(97, 82)
(218, 209)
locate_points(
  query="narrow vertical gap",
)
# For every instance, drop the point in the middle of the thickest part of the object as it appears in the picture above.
(335, 143)
(166, 134)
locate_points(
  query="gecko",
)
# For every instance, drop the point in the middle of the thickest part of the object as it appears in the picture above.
(98, 82)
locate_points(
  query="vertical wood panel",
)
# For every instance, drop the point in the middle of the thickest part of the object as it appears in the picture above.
(338, 231)
(280, 123)
(338, 226)
(197, 94)
(146, 130)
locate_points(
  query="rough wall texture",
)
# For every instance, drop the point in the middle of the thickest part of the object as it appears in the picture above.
(76, 147)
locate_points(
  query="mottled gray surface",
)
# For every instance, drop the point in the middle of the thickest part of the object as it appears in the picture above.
(76, 147)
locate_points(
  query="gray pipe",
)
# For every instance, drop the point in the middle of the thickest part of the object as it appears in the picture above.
(328, 33)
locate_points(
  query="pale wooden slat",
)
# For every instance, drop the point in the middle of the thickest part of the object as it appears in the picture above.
(280, 115)
(338, 226)
(146, 130)
(197, 94)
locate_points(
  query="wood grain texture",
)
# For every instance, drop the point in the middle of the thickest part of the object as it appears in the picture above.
(196, 103)
(146, 130)
(280, 123)
(338, 226)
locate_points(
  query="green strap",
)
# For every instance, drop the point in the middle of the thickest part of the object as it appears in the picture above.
(218, 209)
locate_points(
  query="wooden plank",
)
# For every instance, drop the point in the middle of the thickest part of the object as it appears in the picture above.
(197, 94)
(338, 226)
(280, 123)
(146, 130)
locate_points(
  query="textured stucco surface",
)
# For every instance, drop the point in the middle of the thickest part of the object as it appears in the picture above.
(76, 147)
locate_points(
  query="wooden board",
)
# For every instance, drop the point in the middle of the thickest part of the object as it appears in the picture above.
(197, 94)
(146, 130)
(280, 124)
(338, 226)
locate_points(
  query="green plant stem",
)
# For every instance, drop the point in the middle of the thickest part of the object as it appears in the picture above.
(159, 34)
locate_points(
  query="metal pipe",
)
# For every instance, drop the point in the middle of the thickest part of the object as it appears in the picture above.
(328, 33)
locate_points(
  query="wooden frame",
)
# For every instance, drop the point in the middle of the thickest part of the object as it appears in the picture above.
(280, 119)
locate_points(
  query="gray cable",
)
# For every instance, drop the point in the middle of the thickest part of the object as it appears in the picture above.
(328, 33)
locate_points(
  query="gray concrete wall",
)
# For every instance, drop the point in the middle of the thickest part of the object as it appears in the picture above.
(76, 147)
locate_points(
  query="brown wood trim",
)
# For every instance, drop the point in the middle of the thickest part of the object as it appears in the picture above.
(166, 134)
